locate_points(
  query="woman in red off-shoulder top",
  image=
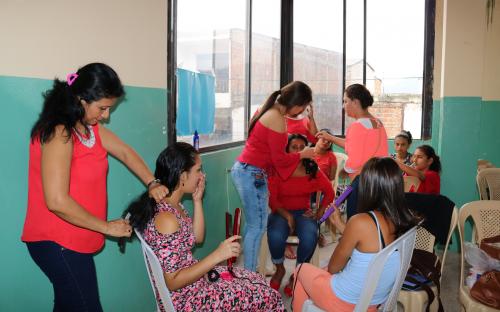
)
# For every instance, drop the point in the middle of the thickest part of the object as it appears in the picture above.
(264, 154)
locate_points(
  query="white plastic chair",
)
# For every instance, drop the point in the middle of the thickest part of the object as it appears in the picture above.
(405, 245)
(341, 159)
(416, 300)
(488, 183)
(155, 273)
(486, 217)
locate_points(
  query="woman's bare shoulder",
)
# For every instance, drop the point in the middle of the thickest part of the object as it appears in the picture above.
(273, 120)
(166, 222)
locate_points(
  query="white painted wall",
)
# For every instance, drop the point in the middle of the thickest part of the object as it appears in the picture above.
(48, 38)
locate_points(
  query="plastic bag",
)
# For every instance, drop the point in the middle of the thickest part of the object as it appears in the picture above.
(479, 259)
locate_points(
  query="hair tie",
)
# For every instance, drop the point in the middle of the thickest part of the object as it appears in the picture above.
(70, 78)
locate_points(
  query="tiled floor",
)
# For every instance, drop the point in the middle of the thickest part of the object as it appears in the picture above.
(449, 283)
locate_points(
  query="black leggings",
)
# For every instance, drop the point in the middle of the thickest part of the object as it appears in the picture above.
(72, 275)
(352, 199)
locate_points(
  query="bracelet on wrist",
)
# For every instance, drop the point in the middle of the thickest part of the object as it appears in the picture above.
(155, 181)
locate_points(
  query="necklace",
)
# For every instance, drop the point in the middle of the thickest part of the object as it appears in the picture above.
(90, 141)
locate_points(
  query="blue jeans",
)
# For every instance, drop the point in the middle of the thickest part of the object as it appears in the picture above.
(251, 184)
(278, 230)
(72, 275)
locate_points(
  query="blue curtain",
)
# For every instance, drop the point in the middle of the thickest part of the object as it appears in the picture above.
(195, 102)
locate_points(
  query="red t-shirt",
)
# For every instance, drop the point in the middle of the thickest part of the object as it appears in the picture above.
(265, 149)
(326, 162)
(87, 186)
(300, 126)
(295, 192)
(431, 184)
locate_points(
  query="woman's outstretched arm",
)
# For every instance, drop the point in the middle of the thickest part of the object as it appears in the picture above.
(127, 155)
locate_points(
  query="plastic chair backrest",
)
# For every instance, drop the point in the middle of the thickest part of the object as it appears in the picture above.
(486, 217)
(425, 240)
(405, 245)
(453, 225)
(155, 273)
(341, 159)
(411, 183)
(488, 183)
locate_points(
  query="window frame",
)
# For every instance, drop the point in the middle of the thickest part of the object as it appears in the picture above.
(286, 66)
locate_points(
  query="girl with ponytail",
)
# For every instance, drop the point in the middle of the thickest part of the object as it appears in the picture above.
(264, 154)
(66, 215)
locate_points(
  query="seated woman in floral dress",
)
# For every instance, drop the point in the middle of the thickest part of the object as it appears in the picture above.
(171, 233)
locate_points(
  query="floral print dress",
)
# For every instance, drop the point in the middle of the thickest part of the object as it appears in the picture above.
(248, 292)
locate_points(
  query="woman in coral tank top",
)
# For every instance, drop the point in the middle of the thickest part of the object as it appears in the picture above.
(365, 138)
(66, 215)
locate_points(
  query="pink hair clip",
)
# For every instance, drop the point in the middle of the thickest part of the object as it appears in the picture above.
(70, 78)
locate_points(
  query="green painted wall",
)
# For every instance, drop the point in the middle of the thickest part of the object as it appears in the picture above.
(465, 129)
(468, 130)
(140, 121)
(220, 196)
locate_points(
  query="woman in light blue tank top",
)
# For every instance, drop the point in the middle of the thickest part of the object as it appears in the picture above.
(382, 217)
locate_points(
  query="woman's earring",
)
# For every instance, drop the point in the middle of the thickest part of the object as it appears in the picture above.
(182, 183)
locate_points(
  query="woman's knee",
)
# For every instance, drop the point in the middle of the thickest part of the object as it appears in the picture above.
(307, 229)
(277, 233)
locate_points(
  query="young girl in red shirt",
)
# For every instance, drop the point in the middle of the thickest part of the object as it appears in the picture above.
(292, 213)
(427, 169)
(325, 158)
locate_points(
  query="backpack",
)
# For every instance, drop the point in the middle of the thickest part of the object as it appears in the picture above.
(425, 270)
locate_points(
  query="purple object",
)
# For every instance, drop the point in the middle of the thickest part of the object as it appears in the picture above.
(336, 203)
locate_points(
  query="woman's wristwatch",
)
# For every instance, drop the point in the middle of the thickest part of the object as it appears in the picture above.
(155, 181)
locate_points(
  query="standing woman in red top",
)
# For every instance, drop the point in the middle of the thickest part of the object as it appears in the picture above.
(66, 216)
(263, 154)
(365, 138)
(427, 169)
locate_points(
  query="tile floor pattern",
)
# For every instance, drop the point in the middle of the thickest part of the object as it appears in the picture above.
(449, 284)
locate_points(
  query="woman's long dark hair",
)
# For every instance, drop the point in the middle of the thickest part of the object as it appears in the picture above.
(170, 164)
(296, 93)
(359, 92)
(430, 153)
(381, 188)
(310, 165)
(62, 104)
